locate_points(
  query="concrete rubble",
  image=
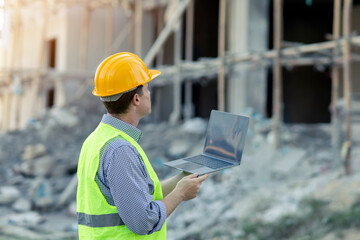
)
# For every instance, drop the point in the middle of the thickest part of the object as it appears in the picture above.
(38, 183)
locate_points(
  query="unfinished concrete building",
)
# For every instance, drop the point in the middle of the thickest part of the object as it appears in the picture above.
(290, 60)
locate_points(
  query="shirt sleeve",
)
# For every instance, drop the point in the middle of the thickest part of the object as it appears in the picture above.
(128, 182)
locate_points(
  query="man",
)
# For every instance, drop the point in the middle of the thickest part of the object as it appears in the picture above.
(119, 195)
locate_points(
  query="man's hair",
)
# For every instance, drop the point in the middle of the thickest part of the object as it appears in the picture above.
(122, 104)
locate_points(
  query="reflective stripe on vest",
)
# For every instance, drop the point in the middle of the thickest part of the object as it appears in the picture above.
(105, 220)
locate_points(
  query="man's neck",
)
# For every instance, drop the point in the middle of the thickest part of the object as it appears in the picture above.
(129, 118)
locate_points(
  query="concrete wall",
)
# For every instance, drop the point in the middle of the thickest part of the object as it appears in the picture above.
(248, 32)
(96, 49)
(28, 55)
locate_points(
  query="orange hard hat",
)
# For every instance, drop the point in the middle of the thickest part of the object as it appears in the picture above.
(120, 73)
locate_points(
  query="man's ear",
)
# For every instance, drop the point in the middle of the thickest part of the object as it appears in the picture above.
(136, 99)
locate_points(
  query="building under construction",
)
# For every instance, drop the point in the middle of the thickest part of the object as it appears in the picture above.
(277, 58)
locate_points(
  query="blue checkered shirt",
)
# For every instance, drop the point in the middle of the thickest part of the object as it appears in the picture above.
(125, 183)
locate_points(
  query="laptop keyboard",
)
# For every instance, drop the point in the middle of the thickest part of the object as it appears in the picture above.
(205, 161)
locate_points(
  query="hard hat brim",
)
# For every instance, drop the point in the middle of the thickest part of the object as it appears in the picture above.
(154, 73)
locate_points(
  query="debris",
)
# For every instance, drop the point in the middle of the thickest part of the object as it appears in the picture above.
(340, 193)
(72, 209)
(179, 148)
(8, 194)
(251, 191)
(24, 233)
(26, 219)
(287, 160)
(22, 205)
(33, 151)
(63, 117)
(69, 190)
(194, 125)
(41, 193)
(40, 167)
(20, 232)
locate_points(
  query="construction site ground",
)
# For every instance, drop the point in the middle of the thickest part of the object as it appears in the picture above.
(298, 191)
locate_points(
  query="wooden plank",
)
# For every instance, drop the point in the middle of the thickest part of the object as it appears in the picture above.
(175, 115)
(277, 74)
(335, 139)
(347, 79)
(221, 54)
(10, 114)
(188, 108)
(138, 27)
(37, 77)
(60, 96)
(165, 32)
(160, 26)
(294, 51)
(121, 36)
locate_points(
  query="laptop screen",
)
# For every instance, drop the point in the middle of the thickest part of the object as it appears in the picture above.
(225, 136)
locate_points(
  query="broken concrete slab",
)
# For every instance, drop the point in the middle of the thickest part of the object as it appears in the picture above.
(8, 194)
(33, 151)
(39, 167)
(72, 209)
(22, 205)
(41, 193)
(43, 166)
(63, 117)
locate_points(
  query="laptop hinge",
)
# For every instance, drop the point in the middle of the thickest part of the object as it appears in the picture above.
(218, 158)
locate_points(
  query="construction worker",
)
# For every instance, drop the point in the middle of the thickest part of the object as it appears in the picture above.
(119, 195)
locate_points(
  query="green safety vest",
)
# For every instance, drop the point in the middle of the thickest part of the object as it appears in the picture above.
(97, 219)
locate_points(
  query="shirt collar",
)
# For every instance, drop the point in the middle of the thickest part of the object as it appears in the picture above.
(130, 130)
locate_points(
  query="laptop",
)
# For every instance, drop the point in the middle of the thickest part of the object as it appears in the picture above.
(224, 144)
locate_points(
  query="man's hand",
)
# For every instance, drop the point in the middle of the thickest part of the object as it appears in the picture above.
(188, 187)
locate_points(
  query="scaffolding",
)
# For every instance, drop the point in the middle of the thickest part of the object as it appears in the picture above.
(338, 49)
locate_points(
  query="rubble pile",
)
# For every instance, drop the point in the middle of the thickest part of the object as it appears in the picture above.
(271, 186)
(37, 166)
(38, 176)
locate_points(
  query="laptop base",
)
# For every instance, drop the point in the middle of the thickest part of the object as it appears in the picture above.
(187, 166)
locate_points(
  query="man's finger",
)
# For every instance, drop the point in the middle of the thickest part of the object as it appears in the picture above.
(194, 175)
(203, 177)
